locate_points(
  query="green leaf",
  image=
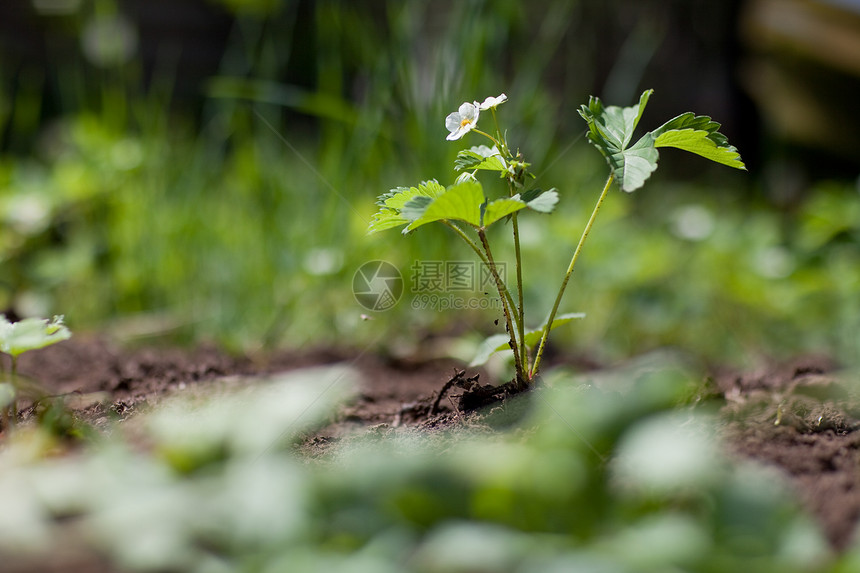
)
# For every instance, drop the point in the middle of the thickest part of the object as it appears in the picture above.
(416, 207)
(610, 129)
(490, 345)
(501, 208)
(399, 196)
(536, 199)
(467, 160)
(533, 336)
(429, 202)
(30, 334)
(633, 166)
(393, 211)
(481, 157)
(613, 125)
(699, 135)
(385, 219)
(461, 202)
(539, 200)
(501, 342)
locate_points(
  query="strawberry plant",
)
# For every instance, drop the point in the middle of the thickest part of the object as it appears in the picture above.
(17, 338)
(468, 211)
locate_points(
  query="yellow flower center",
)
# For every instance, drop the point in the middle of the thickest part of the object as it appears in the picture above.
(466, 121)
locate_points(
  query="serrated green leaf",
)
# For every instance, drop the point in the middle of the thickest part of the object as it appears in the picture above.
(633, 166)
(416, 207)
(501, 342)
(699, 135)
(621, 122)
(461, 202)
(535, 199)
(392, 194)
(539, 200)
(610, 129)
(467, 160)
(501, 208)
(30, 334)
(613, 125)
(480, 157)
(385, 219)
(392, 205)
(398, 197)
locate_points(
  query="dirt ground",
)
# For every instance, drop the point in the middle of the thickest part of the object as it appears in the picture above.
(798, 418)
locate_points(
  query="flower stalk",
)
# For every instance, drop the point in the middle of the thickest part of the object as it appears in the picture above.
(567, 275)
(502, 288)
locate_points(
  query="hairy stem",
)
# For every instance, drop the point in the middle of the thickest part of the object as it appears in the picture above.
(521, 308)
(466, 238)
(548, 326)
(503, 292)
(488, 136)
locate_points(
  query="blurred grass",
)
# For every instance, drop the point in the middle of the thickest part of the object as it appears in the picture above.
(243, 222)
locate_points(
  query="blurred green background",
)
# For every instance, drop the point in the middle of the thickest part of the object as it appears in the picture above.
(199, 170)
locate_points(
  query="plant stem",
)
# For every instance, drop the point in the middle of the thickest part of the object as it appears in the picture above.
(503, 292)
(5, 413)
(488, 136)
(507, 298)
(521, 308)
(13, 407)
(548, 326)
(499, 138)
(466, 238)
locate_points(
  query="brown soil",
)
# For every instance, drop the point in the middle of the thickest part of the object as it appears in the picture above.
(797, 419)
(106, 381)
(803, 421)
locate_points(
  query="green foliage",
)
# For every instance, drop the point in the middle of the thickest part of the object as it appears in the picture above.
(31, 334)
(395, 202)
(461, 202)
(499, 342)
(464, 201)
(699, 135)
(481, 158)
(539, 200)
(149, 224)
(610, 129)
(17, 338)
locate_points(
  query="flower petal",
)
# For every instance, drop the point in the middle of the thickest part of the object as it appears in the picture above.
(452, 122)
(469, 111)
(492, 102)
(460, 132)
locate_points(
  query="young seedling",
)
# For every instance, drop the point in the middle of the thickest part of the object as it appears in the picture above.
(464, 207)
(17, 338)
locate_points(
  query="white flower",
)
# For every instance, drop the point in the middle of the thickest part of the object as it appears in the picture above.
(462, 121)
(492, 102)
